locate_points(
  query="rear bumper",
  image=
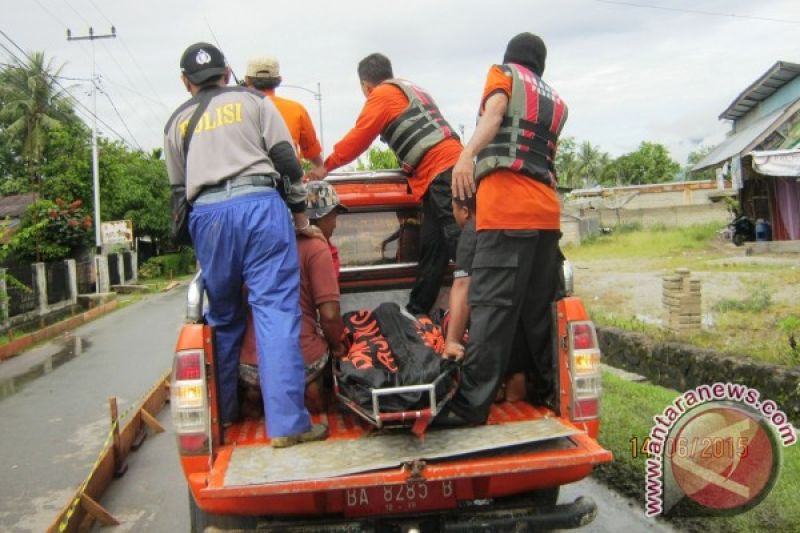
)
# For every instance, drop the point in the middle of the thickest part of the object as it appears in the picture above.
(490, 519)
(565, 516)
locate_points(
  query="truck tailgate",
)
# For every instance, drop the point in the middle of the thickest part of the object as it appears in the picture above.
(519, 439)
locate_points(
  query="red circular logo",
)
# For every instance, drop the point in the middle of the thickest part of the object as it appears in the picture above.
(723, 456)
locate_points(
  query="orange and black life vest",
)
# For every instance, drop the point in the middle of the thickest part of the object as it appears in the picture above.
(417, 129)
(527, 138)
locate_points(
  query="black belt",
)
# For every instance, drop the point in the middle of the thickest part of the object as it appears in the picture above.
(253, 181)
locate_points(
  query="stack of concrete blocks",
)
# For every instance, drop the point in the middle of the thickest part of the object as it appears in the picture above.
(681, 297)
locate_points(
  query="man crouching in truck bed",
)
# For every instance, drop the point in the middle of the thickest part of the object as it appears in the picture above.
(242, 232)
(321, 325)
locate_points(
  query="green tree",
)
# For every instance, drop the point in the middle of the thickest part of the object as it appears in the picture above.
(651, 163)
(591, 164)
(134, 185)
(567, 166)
(378, 159)
(33, 105)
(51, 230)
(67, 167)
(695, 157)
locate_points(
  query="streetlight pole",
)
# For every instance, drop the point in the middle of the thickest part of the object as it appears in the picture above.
(318, 97)
(95, 165)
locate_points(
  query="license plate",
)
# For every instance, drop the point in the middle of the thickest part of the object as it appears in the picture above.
(406, 498)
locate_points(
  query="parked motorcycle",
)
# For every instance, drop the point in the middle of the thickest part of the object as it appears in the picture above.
(742, 230)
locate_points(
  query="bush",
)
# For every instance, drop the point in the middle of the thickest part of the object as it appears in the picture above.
(628, 227)
(758, 300)
(169, 265)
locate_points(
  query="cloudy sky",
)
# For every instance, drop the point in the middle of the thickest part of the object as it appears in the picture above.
(655, 70)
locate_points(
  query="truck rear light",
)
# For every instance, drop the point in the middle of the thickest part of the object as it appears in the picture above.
(189, 402)
(587, 362)
(584, 371)
(587, 387)
(189, 396)
(189, 366)
(193, 443)
(583, 337)
(587, 409)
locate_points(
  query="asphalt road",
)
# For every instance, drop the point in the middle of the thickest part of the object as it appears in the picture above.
(54, 418)
(54, 404)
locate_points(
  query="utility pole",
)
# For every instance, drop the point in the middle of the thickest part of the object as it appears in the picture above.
(95, 167)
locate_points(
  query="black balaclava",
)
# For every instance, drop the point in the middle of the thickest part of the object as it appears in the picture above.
(527, 50)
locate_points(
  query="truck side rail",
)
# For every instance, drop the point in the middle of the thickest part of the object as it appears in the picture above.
(368, 176)
(195, 299)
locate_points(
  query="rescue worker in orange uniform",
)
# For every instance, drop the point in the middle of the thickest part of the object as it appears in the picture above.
(264, 75)
(515, 274)
(408, 120)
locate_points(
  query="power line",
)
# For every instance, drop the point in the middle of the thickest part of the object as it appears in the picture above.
(61, 22)
(49, 12)
(132, 87)
(110, 54)
(698, 12)
(144, 75)
(101, 13)
(77, 13)
(78, 102)
(155, 115)
(114, 59)
(134, 91)
(97, 87)
(71, 79)
(127, 77)
(133, 58)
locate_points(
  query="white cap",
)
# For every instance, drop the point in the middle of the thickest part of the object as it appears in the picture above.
(263, 67)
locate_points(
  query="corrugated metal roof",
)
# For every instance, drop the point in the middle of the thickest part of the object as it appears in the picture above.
(743, 140)
(15, 205)
(781, 163)
(776, 77)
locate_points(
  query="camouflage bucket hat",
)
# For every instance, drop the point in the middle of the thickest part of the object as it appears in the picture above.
(322, 199)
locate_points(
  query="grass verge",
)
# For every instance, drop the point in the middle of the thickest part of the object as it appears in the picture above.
(656, 242)
(627, 418)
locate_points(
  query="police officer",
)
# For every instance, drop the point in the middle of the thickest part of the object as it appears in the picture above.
(238, 163)
(515, 275)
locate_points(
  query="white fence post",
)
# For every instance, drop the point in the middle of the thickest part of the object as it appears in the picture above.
(101, 267)
(4, 300)
(121, 268)
(40, 282)
(72, 280)
(135, 266)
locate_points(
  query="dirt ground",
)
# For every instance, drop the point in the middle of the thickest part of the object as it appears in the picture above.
(632, 289)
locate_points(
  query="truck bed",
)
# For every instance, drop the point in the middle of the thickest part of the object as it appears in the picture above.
(522, 447)
(350, 451)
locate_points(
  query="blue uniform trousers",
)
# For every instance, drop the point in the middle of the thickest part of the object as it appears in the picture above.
(250, 240)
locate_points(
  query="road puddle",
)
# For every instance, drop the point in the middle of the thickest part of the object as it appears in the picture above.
(71, 347)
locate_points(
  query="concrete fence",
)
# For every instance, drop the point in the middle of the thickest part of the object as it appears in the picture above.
(683, 215)
(29, 292)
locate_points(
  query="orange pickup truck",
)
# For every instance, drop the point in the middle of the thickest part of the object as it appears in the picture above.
(503, 476)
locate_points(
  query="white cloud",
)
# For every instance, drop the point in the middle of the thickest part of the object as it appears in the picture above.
(628, 74)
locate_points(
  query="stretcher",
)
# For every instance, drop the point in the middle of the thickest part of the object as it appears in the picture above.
(418, 419)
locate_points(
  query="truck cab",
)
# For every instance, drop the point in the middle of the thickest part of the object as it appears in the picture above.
(501, 476)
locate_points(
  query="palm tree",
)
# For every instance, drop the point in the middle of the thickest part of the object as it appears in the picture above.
(566, 162)
(33, 104)
(591, 162)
